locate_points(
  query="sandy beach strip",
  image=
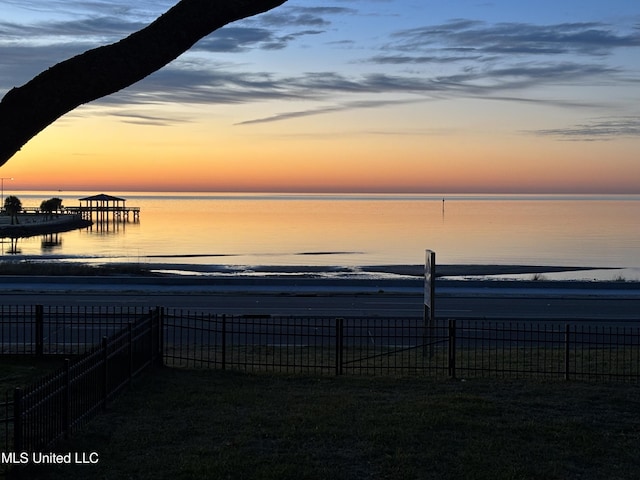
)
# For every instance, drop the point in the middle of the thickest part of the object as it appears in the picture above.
(454, 270)
(35, 265)
(474, 270)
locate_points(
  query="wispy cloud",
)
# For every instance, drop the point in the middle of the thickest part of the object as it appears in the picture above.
(238, 39)
(353, 105)
(504, 61)
(94, 27)
(597, 129)
(142, 119)
(222, 85)
(144, 9)
(28, 48)
(464, 38)
(302, 16)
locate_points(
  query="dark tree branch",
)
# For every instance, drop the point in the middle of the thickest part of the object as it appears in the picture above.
(27, 110)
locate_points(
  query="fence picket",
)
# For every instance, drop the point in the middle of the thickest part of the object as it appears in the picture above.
(567, 350)
(18, 424)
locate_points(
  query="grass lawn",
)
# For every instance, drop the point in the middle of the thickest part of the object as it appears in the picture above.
(20, 370)
(193, 424)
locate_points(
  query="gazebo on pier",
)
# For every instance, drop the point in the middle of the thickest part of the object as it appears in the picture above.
(104, 206)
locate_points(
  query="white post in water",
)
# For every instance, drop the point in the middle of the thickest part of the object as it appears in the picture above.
(429, 298)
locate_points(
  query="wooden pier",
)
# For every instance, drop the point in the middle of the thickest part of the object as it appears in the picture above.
(103, 208)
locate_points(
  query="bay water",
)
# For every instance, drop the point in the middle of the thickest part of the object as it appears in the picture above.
(184, 232)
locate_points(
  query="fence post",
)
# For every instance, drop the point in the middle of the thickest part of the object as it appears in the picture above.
(39, 333)
(452, 348)
(18, 426)
(224, 342)
(130, 345)
(105, 373)
(156, 342)
(567, 346)
(66, 399)
(160, 326)
(153, 315)
(339, 344)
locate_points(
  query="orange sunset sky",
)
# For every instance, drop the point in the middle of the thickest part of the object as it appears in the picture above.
(346, 96)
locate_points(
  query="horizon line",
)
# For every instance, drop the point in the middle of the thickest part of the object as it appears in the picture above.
(8, 191)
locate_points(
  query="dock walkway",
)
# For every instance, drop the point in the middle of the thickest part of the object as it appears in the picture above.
(116, 211)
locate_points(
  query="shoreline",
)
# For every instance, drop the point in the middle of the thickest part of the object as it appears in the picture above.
(486, 272)
(62, 266)
(452, 280)
(36, 270)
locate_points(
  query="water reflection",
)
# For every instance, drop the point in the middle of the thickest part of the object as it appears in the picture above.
(368, 230)
(108, 226)
(50, 241)
(102, 225)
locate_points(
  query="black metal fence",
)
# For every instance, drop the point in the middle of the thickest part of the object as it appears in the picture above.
(579, 351)
(110, 346)
(60, 330)
(39, 415)
(583, 350)
(403, 346)
(312, 345)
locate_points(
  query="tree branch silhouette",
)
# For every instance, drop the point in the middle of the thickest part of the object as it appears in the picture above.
(27, 110)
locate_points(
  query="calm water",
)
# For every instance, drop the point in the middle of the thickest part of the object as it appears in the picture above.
(351, 230)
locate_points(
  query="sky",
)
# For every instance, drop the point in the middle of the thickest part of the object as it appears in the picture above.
(419, 96)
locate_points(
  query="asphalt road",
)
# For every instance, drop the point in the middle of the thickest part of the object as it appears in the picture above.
(542, 305)
(546, 302)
